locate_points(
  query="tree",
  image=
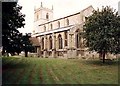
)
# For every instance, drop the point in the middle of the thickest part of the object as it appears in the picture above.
(12, 19)
(102, 31)
(27, 45)
(16, 45)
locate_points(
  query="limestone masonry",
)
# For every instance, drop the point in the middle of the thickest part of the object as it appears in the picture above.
(60, 37)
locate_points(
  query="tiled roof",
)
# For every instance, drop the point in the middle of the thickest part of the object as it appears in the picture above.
(34, 41)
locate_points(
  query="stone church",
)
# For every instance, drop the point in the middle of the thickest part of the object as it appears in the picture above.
(62, 37)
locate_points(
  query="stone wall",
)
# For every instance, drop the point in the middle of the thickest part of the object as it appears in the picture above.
(73, 25)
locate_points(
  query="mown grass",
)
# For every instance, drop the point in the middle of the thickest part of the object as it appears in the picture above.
(58, 71)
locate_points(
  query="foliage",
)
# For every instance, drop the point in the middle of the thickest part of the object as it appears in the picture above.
(12, 19)
(102, 31)
(26, 44)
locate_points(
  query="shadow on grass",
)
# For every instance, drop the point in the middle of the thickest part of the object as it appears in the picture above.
(100, 62)
(14, 64)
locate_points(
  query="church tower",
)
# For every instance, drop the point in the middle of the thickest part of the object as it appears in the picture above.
(42, 15)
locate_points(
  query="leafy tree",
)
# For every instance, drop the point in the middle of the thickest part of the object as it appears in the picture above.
(15, 46)
(27, 45)
(12, 19)
(102, 31)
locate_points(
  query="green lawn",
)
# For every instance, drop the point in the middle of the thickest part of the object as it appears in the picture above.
(23, 70)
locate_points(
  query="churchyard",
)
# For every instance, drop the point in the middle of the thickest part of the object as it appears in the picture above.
(27, 70)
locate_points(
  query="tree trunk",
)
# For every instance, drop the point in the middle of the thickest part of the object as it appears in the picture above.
(3, 51)
(17, 53)
(12, 54)
(7, 54)
(100, 55)
(26, 54)
(103, 57)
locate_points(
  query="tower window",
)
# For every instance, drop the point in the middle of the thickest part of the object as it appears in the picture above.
(47, 16)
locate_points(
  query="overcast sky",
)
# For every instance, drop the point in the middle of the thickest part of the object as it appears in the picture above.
(61, 8)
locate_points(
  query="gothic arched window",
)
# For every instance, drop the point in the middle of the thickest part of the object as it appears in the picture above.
(50, 42)
(47, 16)
(60, 41)
(65, 33)
(77, 38)
(42, 43)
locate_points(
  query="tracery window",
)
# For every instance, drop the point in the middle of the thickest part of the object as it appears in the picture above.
(77, 38)
(42, 43)
(65, 33)
(60, 41)
(50, 42)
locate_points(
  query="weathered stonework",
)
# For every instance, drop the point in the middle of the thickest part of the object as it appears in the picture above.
(60, 37)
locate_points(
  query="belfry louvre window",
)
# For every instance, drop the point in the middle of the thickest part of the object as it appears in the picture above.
(47, 16)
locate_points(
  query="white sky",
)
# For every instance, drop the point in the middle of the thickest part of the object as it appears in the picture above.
(61, 8)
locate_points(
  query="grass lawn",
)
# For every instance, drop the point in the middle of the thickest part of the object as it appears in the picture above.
(21, 70)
